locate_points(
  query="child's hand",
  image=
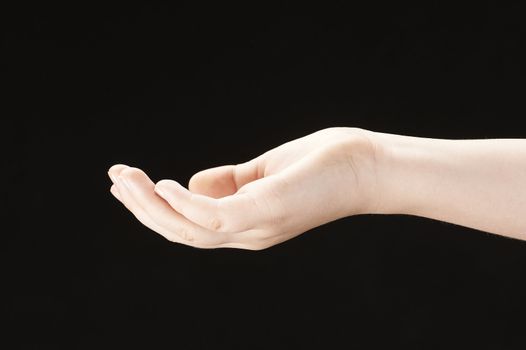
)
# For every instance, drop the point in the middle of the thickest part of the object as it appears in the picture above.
(282, 193)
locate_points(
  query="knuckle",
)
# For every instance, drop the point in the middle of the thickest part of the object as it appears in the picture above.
(215, 223)
(220, 219)
(185, 234)
(194, 238)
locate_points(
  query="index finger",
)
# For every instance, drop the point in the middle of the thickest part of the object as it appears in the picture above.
(252, 207)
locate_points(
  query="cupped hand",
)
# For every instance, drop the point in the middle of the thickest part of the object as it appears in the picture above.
(280, 194)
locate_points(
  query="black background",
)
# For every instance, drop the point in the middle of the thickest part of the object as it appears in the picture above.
(162, 87)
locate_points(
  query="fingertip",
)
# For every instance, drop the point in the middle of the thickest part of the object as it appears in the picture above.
(164, 187)
(134, 174)
(194, 179)
(160, 188)
(206, 175)
(115, 170)
(163, 183)
(224, 180)
(170, 185)
(117, 167)
(115, 192)
(112, 177)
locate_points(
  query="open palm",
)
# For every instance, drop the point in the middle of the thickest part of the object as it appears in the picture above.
(282, 193)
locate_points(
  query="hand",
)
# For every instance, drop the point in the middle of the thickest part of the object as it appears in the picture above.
(280, 194)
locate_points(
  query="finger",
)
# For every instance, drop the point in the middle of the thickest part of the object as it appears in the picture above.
(134, 208)
(115, 170)
(141, 189)
(231, 214)
(248, 241)
(115, 192)
(251, 239)
(224, 180)
(143, 217)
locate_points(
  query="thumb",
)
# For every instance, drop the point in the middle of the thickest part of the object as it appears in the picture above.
(224, 180)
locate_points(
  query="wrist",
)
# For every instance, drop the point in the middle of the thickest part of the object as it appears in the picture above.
(362, 153)
(408, 169)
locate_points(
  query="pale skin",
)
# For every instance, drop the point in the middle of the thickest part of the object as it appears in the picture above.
(331, 174)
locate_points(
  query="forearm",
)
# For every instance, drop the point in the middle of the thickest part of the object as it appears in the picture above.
(475, 183)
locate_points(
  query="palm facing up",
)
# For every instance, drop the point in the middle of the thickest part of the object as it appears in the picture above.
(282, 193)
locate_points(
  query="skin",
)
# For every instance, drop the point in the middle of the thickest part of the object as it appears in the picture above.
(331, 174)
